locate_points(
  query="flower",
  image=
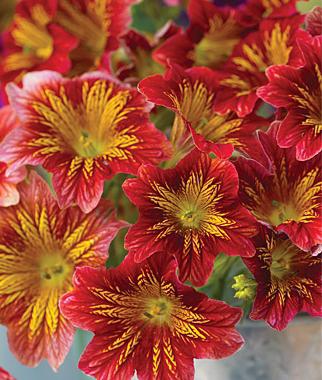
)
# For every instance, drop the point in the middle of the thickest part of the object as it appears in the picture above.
(35, 42)
(191, 211)
(8, 189)
(83, 130)
(4, 375)
(273, 44)
(299, 91)
(97, 24)
(209, 40)
(134, 60)
(288, 280)
(144, 319)
(286, 196)
(191, 94)
(40, 246)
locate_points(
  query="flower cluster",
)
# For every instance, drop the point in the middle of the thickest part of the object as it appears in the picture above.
(203, 138)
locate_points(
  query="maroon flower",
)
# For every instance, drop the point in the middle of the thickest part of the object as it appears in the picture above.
(286, 196)
(144, 319)
(288, 280)
(191, 211)
(299, 91)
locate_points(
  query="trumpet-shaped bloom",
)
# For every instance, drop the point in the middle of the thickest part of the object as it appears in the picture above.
(8, 190)
(288, 280)
(4, 375)
(274, 44)
(286, 196)
(299, 91)
(144, 319)
(35, 42)
(40, 246)
(191, 211)
(97, 24)
(83, 130)
(209, 40)
(191, 94)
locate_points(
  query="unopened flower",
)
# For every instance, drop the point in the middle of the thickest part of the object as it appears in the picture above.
(288, 280)
(191, 211)
(144, 319)
(285, 196)
(83, 130)
(245, 287)
(40, 247)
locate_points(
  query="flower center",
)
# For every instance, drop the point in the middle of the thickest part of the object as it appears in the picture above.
(282, 212)
(190, 217)
(54, 271)
(282, 260)
(218, 43)
(89, 128)
(158, 310)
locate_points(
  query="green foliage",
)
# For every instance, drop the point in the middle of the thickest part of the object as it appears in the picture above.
(151, 15)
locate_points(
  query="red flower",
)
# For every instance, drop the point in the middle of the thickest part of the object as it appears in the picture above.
(144, 319)
(97, 24)
(135, 62)
(287, 196)
(83, 130)
(288, 280)
(4, 375)
(40, 246)
(299, 91)
(8, 189)
(35, 42)
(209, 40)
(191, 94)
(191, 211)
(273, 44)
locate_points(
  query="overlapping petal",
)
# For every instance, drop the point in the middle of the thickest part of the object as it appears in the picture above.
(299, 91)
(191, 211)
(289, 280)
(274, 44)
(40, 246)
(83, 130)
(286, 196)
(191, 94)
(97, 24)
(34, 41)
(144, 319)
(209, 40)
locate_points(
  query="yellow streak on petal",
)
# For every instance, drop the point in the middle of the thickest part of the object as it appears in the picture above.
(169, 355)
(71, 238)
(38, 312)
(52, 312)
